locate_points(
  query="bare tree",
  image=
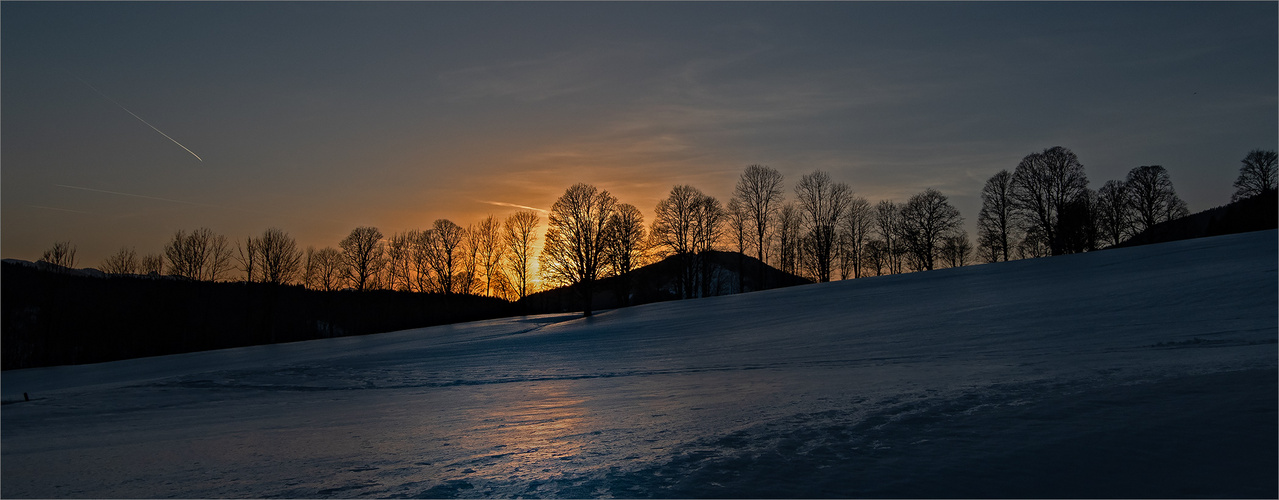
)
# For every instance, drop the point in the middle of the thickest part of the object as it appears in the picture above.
(201, 255)
(955, 249)
(490, 250)
(876, 256)
(738, 222)
(708, 229)
(1114, 212)
(327, 273)
(759, 191)
(1077, 224)
(673, 232)
(249, 257)
(124, 261)
(926, 220)
(823, 204)
(887, 220)
(280, 258)
(688, 222)
(362, 250)
(443, 247)
(575, 239)
(219, 263)
(420, 260)
(62, 253)
(854, 235)
(1152, 197)
(309, 267)
(467, 281)
(399, 261)
(520, 235)
(625, 246)
(1043, 184)
(789, 224)
(995, 223)
(1033, 245)
(1257, 175)
(152, 264)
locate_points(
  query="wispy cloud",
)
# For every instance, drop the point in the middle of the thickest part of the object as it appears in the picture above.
(512, 205)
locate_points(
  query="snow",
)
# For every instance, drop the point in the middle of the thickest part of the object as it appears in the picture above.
(1147, 372)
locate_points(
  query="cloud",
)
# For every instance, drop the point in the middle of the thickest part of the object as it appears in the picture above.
(512, 205)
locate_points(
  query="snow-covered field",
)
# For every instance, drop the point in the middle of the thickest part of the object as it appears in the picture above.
(1146, 372)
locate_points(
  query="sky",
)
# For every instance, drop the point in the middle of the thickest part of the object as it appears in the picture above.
(122, 123)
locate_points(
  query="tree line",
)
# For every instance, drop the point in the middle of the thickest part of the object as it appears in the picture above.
(825, 232)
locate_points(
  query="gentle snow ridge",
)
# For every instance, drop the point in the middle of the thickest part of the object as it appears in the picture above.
(1147, 371)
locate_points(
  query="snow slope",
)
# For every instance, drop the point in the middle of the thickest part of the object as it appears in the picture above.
(1140, 372)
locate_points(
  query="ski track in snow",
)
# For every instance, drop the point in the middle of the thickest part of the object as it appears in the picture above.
(1147, 372)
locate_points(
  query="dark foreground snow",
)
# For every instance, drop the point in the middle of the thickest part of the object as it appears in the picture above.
(1146, 372)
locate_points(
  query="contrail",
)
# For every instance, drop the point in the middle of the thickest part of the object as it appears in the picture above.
(126, 110)
(504, 204)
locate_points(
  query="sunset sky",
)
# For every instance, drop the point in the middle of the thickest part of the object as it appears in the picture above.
(320, 117)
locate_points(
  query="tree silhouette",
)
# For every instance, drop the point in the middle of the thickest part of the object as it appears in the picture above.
(281, 260)
(926, 220)
(468, 280)
(519, 233)
(887, 221)
(1043, 184)
(955, 249)
(625, 246)
(759, 191)
(363, 255)
(249, 257)
(995, 222)
(1114, 212)
(442, 244)
(677, 228)
(201, 255)
(688, 223)
(1152, 197)
(124, 261)
(824, 204)
(876, 256)
(708, 229)
(737, 233)
(152, 264)
(491, 251)
(1257, 175)
(399, 261)
(1077, 224)
(854, 235)
(62, 253)
(575, 239)
(788, 238)
(326, 269)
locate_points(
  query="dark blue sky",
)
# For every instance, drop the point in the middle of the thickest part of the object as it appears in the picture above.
(318, 117)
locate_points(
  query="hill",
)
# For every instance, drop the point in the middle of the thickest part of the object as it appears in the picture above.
(1137, 372)
(659, 282)
(65, 316)
(1257, 213)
